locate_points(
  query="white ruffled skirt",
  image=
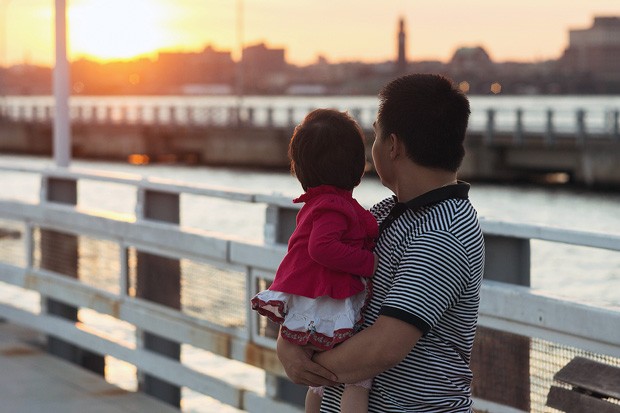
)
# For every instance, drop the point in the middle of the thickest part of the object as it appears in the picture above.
(322, 321)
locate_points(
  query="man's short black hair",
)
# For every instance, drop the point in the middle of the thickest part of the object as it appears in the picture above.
(327, 148)
(429, 114)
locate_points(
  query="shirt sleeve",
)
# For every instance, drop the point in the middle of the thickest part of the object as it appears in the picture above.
(327, 247)
(429, 280)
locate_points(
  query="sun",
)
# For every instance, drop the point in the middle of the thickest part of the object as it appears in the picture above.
(117, 29)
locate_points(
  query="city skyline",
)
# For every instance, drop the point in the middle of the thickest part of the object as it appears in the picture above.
(125, 29)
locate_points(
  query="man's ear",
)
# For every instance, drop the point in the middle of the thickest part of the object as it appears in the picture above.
(395, 146)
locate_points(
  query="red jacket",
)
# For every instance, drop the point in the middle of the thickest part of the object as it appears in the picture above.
(330, 248)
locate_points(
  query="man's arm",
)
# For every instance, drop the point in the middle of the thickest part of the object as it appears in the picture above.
(368, 353)
(371, 351)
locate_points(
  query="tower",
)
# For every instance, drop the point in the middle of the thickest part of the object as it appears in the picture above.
(401, 62)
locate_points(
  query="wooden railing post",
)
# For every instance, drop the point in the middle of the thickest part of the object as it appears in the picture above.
(270, 117)
(518, 136)
(190, 115)
(172, 115)
(490, 129)
(159, 281)
(279, 225)
(140, 115)
(35, 114)
(79, 115)
(549, 128)
(504, 380)
(156, 115)
(59, 253)
(124, 115)
(209, 116)
(615, 125)
(290, 117)
(507, 259)
(580, 118)
(48, 114)
(109, 115)
(234, 116)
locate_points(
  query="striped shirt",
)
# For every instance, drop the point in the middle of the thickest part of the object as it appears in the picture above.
(431, 259)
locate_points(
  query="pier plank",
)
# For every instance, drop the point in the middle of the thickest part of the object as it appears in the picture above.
(33, 380)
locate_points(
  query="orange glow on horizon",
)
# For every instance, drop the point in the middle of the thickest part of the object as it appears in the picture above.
(106, 30)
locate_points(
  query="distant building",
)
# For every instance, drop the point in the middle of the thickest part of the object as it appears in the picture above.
(218, 65)
(263, 67)
(401, 62)
(470, 60)
(207, 67)
(595, 50)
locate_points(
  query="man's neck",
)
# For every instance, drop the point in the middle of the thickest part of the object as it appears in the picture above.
(417, 180)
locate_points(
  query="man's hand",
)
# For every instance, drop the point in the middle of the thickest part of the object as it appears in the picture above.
(299, 367)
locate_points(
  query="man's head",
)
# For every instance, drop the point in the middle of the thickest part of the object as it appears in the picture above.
(429, 115)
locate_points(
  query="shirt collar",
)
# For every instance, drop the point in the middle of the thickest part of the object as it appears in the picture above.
(460, 190)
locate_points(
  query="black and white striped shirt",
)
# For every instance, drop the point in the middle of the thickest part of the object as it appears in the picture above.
(431, 259)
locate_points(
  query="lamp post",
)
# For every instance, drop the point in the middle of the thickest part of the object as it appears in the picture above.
(4, 5)
(239, 73)
(62, 126)
(63, 191)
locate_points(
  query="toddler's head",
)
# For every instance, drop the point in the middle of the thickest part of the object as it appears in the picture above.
(327, 148)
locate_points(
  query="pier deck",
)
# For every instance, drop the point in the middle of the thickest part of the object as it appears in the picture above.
(33, 381)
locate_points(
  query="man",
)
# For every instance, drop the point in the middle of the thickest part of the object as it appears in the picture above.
(421, 319)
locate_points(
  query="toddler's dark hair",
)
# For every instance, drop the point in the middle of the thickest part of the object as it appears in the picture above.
(327, 148)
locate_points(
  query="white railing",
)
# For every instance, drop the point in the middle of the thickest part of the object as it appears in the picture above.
(504, 307)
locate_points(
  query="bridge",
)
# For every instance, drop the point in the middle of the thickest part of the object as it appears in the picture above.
(502, 145)
(146, 289)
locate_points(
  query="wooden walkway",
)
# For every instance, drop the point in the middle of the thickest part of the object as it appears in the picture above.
(31, 381)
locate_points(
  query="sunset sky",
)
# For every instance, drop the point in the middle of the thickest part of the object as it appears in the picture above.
(340, 30)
